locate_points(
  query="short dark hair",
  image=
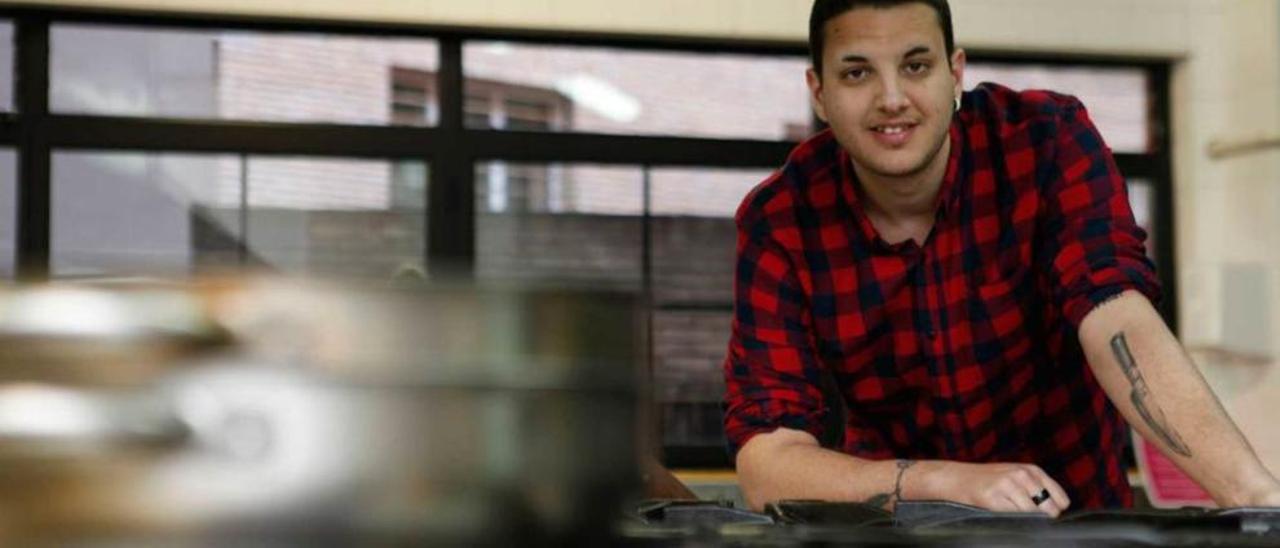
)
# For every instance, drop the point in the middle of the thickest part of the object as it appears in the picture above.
(826, 10)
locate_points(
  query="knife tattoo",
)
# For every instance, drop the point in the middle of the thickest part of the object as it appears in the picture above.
(1153, 415)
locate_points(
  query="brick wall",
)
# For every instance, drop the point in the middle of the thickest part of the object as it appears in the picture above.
(314, 78)
(693, 259)
(689, 348)
(566, 249)
(682, 94)
(367, 245)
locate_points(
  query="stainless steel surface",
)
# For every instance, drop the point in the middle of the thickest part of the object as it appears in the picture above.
(935, 523)
(99, 335)
(447, 414)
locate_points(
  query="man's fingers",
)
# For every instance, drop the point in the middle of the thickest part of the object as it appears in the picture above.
(998, 501)
(1014, 487)
(1055, 490)
(1029, 486)
(1020, 502)
(1044, 503)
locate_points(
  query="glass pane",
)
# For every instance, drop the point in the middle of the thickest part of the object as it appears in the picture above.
(1142, 198)
(174, 215)
(602, 90)
(689, 348)
(559, 224)
(693, 232)
(6, 66)
(129, 214)
(1117, 98)
(242, 75)
(360, 219)
(8, 212)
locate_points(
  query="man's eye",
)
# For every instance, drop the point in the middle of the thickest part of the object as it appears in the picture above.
(917, 68)
(855, 74)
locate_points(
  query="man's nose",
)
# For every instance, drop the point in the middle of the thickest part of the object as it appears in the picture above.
(892, 98)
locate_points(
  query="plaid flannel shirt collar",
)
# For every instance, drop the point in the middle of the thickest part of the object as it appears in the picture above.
(948, 195)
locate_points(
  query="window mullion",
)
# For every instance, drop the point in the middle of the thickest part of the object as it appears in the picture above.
(451, 216)
(31, 92)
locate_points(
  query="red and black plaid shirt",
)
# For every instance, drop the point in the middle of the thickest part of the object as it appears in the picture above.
(964, 348)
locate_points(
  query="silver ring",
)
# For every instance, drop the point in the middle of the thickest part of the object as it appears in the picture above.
(1039, 498)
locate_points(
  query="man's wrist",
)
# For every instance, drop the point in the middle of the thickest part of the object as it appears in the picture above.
(903, 465)
(925, 481)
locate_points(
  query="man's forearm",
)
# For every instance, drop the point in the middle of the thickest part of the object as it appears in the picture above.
(1149, 377)
(788, 464)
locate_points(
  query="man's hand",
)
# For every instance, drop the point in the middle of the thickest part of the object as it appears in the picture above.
(1002, 487)
(1268, 498)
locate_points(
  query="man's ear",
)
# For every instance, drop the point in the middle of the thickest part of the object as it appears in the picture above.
(957, 70)
(815, 94)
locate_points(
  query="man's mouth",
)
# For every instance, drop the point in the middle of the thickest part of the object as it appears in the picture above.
(893, 135)
(892, 129)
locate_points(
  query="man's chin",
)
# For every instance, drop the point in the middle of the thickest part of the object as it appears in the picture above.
(893, 169)
(896, 163)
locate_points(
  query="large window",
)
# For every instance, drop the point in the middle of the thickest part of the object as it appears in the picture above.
(588, 234)
(213, 213)
(98, 230)
(8, 212)
(638, 92)
(228, 74)
(6, 66)
(167, 147)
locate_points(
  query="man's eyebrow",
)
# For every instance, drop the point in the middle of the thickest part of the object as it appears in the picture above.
(918, 50)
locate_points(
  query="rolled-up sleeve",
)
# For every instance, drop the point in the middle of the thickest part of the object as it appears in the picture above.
(1096, 248)
(772, 376)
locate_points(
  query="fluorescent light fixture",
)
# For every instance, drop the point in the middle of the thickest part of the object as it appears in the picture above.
(600, 97)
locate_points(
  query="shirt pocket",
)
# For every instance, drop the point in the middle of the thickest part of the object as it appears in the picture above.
(998, 312)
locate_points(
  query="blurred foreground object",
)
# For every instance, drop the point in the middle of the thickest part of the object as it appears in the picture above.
(284, 412)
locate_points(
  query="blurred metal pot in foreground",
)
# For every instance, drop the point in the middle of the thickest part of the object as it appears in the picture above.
(281, 412)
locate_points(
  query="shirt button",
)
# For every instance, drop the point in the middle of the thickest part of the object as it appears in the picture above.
(931, 333)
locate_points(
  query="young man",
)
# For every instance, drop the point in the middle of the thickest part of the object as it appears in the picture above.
(968, 270)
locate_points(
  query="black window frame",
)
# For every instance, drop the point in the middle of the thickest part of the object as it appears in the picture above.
(450, 149)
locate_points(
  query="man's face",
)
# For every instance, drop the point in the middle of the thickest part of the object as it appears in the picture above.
(887, 90)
